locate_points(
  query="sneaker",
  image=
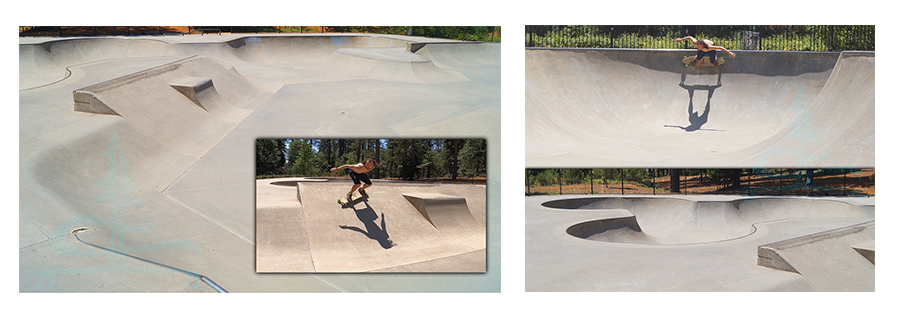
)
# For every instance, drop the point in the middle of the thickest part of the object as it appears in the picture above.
(349, 196)
(363, 192)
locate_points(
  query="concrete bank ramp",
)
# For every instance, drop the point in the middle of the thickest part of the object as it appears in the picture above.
(443, 211)
(842, 259)
(621, 108)
(188, 105)
(385, 233)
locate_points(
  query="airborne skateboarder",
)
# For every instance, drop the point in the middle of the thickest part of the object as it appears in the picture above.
(358, 173)
(705, 48)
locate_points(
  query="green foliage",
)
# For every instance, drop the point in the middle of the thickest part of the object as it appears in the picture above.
(772, 38)
(433, 164)
(473, 157)
(301, 158)
(269, 156)
(407, 159)
(464, 33)
(542, 177)
(292, 29)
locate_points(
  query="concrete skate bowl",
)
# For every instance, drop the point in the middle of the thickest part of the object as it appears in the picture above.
(619, 107)
(672, 221)
(162, 129)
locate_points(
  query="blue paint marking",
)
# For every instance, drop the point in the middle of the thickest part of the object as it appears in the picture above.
(338, 40)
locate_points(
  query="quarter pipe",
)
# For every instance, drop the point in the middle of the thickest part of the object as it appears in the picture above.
(644, 108)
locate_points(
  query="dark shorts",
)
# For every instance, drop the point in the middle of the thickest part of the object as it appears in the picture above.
(711, 54)
(357, 178)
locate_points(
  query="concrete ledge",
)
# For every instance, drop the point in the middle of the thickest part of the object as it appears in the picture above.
(299, 197)
(191, 86)
(867, 250)
(86, 101)
(768, 257)
(86, 98)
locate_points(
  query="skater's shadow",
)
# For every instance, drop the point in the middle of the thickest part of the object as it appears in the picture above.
(373, 231)
(697, 120)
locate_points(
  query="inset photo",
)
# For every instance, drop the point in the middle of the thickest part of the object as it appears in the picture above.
(371, 205)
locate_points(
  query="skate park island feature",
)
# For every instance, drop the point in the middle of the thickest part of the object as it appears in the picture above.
(635, 107)
(144, 145)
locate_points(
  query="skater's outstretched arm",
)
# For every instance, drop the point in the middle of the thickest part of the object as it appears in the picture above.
(716, 47)
(345, 167)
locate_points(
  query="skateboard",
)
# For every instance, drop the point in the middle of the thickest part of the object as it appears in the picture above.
(704, 62)
(353, 200)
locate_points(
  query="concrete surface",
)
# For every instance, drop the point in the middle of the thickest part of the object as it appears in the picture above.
(643, 108)
(157, 159)
(383, 233)
(697, 243)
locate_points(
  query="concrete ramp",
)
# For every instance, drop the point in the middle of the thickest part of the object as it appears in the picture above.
(444, 212)
(618, 229)
(626, 108)
(384, 233)
(836, 260)
(179, 104)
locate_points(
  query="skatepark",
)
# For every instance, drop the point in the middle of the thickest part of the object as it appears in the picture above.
(699, 243)
(402, 227)
(144, 145)
(629, 108)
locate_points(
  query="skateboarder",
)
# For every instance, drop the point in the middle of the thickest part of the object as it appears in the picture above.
(358, 173)
(705, 48)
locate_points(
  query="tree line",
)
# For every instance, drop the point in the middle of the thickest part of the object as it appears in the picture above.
(406, 159)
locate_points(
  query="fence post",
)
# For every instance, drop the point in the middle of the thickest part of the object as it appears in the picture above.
(830, 38)
(674, 180)
(592, 181)
(611, 30)
(559, 180)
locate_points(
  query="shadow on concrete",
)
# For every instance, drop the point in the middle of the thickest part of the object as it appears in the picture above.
(373, 231)
(696, 119)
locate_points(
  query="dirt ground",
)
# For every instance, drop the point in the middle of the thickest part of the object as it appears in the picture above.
(860, 183)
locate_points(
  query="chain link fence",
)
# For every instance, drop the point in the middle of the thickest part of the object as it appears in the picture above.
(751, 182)
(826, 38)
